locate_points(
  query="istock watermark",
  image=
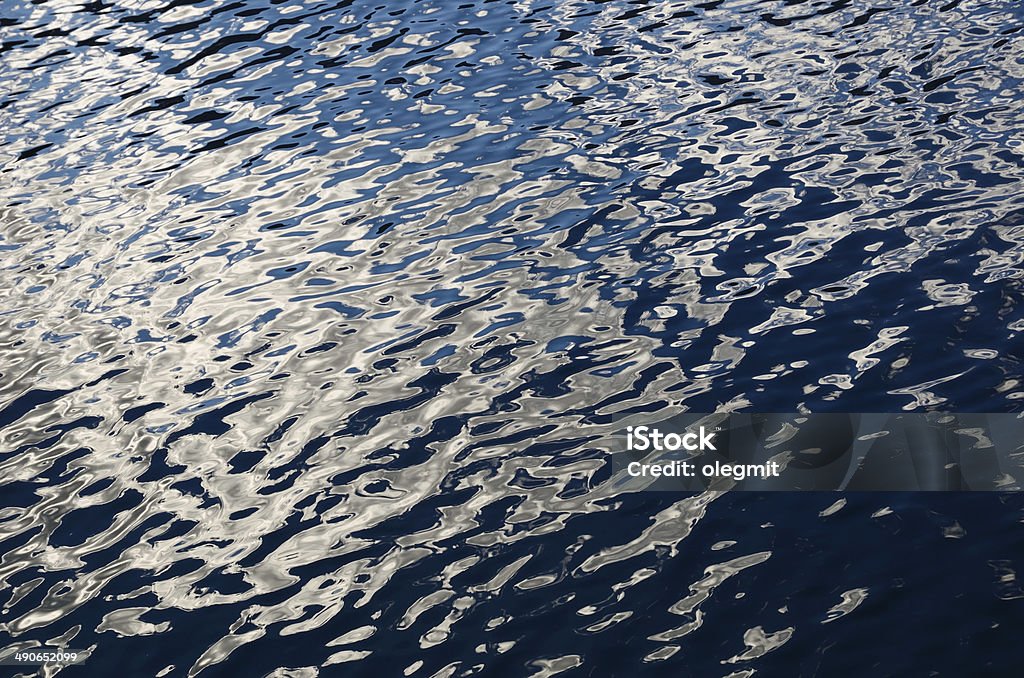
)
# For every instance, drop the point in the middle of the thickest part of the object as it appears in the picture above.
(913, 451)
(647, 438)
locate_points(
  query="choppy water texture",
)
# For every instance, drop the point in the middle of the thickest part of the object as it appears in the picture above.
(314, 315)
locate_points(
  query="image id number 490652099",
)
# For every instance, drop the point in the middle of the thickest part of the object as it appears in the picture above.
(39, 656)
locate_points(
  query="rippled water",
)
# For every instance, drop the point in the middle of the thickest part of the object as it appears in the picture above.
(314, 316)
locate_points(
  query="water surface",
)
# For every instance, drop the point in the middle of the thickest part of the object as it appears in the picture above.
(314, 317)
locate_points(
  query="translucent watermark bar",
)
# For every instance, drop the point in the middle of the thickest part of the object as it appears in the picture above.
(825, 451)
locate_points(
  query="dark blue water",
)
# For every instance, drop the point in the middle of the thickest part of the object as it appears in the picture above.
(315, 318)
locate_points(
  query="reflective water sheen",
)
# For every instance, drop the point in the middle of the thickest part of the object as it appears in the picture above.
(314, 314)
